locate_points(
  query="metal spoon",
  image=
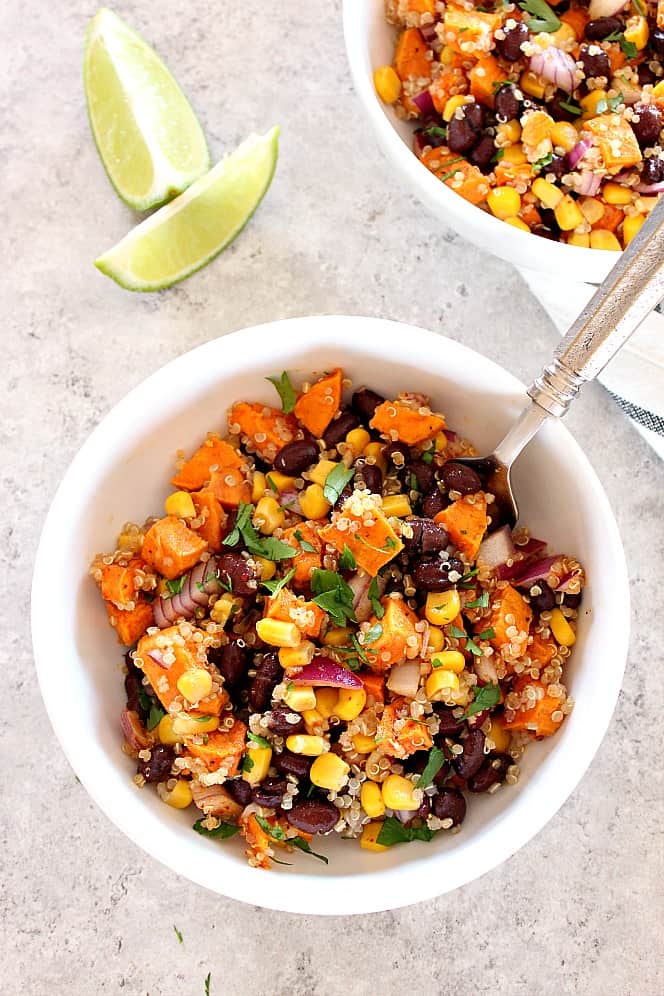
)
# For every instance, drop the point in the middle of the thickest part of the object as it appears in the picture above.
(632, 289)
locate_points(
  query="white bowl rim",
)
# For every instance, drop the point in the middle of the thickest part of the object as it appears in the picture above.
(415, 880)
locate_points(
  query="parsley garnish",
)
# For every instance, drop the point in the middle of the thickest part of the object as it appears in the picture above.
(427, 456)
(461, 634)
(497, 156)
(479, 603)
(571, 107)
(333, 595)
(307, 547)
(255, 739)
(223, 831)
(487, 634)
(448, 176)
(542, 163)
(434, 764)
(373, 634)
(435, 131)
(374, 598)
(247, 762)
(277, 833)
(274, 587)
(285, 391)
(176, 585)
(485, 698)
(628, 47)
(394, 832)
(155, 717)
(609, 104)
(389, 544)
(347, 561)
(260, 546)
(272, 486)
(412, 483)
(178, 934)
(336, 481)
(543, 19)
(207, 983)
(144, 700)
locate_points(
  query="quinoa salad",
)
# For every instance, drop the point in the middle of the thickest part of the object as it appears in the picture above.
(329, 630)
(548, 116)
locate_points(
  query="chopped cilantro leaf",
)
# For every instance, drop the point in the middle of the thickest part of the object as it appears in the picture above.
(432, 767)
(336, 481)
(373, 634)
(412, 483)
(260, 546)
(427, 456)
(374, 598)
(274, 587)
(543, 163)
(307, 547)
(207, 983)
(247, 762)
(479, 603)
(255, 739)
(497, 156)
(347, 561)
(458, 634)
(394, 832)
(435, 132)
(285, 391)
(629, 48)
(472, 646)
(155, 717)
(276, 833)
(487, 634)
(333, 595)
(272, 486)
(543, 19)
(223, 831)
(176, 585)
(485, 698)
(571, 107)
(144, 700)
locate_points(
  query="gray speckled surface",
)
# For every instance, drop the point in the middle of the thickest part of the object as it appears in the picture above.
(579, 910)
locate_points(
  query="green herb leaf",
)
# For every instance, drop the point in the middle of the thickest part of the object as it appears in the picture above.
(374, 598)
(277, 833)
(543, 19)
(278, 861)
(394, 832)
(435, 132)
(432, 767)
(255, 739)
(176, 585)
(497, 156)
(290, 686)
(247, 762)
(479, 603)
(144, 700)
(271, 549)
(465, 578)
(201, 719)
(427, 456)
(333, 595)
(487, 634)
(639, 7)
(486, 697)
(286, 392)
(307, 547)
(207, 983)
(274, 587)
(347, 561)
(178, 934)
(458, 634)
(241, 520)
(272, 486)
(571, 107)
(412, 483)
(473, 648)
(629, 48)
(223, 831)
(336, 481)
(303, 845)
(260, 546)
(448, 176)
(373, 634)
(542, 163)
(155, 717)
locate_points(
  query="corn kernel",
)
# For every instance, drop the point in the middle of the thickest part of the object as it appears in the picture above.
(387, 83)
(356, 440)
(631, 225)
(256, 763)
(337, 636)
(500, 736)
(313, 502)
(514, 154)
(185, 725)
(326, 701)
(568, 214)
(440, 683)
(258, 487)
(532, 84)
(329, 772)
(375, 451)
(452, 105)
(561, 629)
(369, 838)
(564, 135)
(299, 697)
(297, 656)
(278, 634)
(580, 239)
(658, 91)
(440, 442)
(614, 193)
(590, 102)
(268, 516)
(449, 660)
(223, 609)
(601, 238)
(165, 731)
(442, 607)
(371, 799)
(436, 638)
(517, 223)
(447, 55)
(397, 505)
(591, 209)
(313, 721)
(179, 796)
(565, 33)
(549, 195)
(181, 505)
(637, 31)
(319, 474)
(301, 743)
(398, 793)
(509, 132)
(276, 481)
(363, 744)
(350, 703)
(268, 568)
(194, 684)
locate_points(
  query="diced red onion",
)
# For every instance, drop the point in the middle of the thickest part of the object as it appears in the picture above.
(160, 618)
(429, 33)
(587, 183)
(197, 591)
(605, 8)
(424, 103)
(539, 571)
(651, 188)
(555, 66)
(155, 655)
(135, 733)
(576, 154)
(323, 671)
(183, 605)
(290, 501)
(527, 551)
(497, 548)
(485, 670)
(450, 435)
(404, 679)
(405, 815)
(567, 579)
(359, 584)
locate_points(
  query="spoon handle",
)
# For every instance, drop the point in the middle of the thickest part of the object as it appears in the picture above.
(632, 289)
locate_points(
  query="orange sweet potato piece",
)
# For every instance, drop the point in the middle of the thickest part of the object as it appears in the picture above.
(307, 560)
(577, 18)
(188, 654)
(530, 214)
(213, 529)
(398, 628)
(470, 32)
(118, 582)
(374, 684)
(484, 77)
(230, 487)
(267, 429)
(539, 718)
(617, 58)
(223, 747)
(616, 141)
(412, 736)
(410, 57)
(214, 452)
(130, 624)
(257, 840)
(512, 610)
(509, 174)
(317, 407)
(307, 616)
(465, 521)
(611, 218)
(457, 174)
(171, 547)
(373, 546)
(411, 426)
(449, 83)
(540, 651)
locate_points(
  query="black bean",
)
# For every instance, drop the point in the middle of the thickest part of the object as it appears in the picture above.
(449, 726)
(339, 428)
(468, 763)
(268, 673)
(598, 29)
(657, 42)
(572, 601)
(558, 166)
(292, 764)
(458, 477)
(427, 536)
(474, 115)
(506, 104)
(424, 474)
(369, 474)
(646, 75)
(295, 457)
(648, 125)
(450, 804)
(481, 155)
(239, 790)
(493, 770)
(434, 575)
(542, 602)
(652, 170)
(433, 503)
(390, 451)
(133, 687)
(509, 47)
(235, 573)
(557, 110)
(279, 721)
(231, 661)
(365, 402)
(461, 136)
(544, 233)
(270, 792)
(595, 61)
(158, 768)
(313, 815)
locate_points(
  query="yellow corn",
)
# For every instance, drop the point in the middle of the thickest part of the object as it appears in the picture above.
(452, 105)
(614, 193)
(181, 505)
(449, 660)
(602, 238)
(258, 487)
(300, 697)
(300, 743)
(637, 31)
(517, 223)
(329, 772)
(268, 516)
(194, 684)
(278, 634)
(561, 629)
(179, 796)
(313, 721)
(591, 209)
(568, 214)
(268, 568)
(313, 502)
(165, 731)
(447, 55)
(439, 683)
(397, 505)
(297, 656)
(440, 442)
(319, 474)
(369, 838)
(276, 481)
(510, 131)
(375, 451)
(185, 725)
(631, 225)
(564, 136)
(658, 91)
(546, 192)
(356, 440)
(590, 101)
(326, 701)
(581, 239)
(398, 793)
(350, 703)
(363, 744)
(337, 636)
(500, 736)
(436, 638)
(257, 766)
(387, 83)
(223, 609)
(371, 799)
(532, 84)
(514, 154)
(565, 33)
(442, 607)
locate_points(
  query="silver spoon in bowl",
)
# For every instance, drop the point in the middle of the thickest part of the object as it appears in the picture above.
(632, 289)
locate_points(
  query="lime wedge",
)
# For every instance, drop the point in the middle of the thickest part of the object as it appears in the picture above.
(147, 135)
(186, 234)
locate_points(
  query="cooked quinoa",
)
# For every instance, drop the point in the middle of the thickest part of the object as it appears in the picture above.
(330, 630)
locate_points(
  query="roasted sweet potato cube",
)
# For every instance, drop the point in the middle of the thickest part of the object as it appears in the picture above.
(411, 737)
(616, 141)
(411, 425)
(163, 676)
(222, 748)
(118, 583)
(230, 487)
(410, 57)
(511, 618)
(267, 429)
(367, 534)
(398, 637)
(213, 528)
(465, 521)
(469, 32)
(214, 453)
(307, 616)
(130, 624)
(171, 547)
(538, 719)
(316, 408)
(307, 559)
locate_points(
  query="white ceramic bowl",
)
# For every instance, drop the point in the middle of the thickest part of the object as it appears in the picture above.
(369, 44)
(121, 473)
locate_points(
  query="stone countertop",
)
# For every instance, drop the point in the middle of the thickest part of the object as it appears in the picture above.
(578, 910)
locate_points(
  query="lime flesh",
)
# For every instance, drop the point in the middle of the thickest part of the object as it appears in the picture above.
(186, 234)
(146, 132)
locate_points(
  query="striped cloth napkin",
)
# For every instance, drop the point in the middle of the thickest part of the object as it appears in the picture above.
(635, 377)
